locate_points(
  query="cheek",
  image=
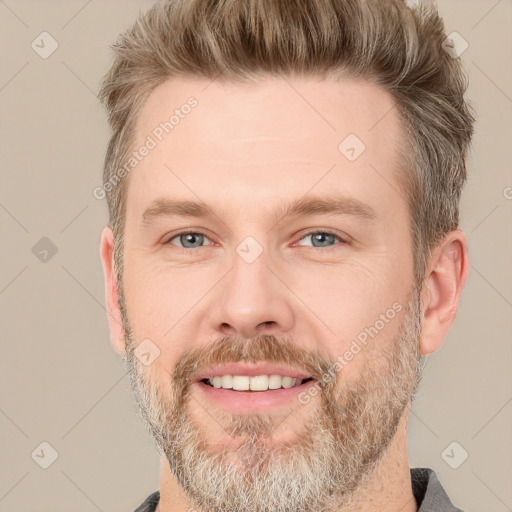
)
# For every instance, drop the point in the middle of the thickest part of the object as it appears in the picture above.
(349, 296)
(355, 309)
(157, 297)
(157, 304)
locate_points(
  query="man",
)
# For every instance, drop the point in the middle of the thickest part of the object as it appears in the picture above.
(283, 250)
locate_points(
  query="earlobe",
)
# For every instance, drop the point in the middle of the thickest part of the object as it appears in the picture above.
(447, 272)
(117, 337)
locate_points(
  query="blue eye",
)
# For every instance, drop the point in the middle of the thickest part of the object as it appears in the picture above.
(189, 239)
(195, 240)
(323, 239)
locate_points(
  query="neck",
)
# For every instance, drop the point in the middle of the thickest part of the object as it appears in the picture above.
(386, 489)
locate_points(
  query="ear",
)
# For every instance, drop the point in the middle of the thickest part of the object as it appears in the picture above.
(117, 337)
(447, 270)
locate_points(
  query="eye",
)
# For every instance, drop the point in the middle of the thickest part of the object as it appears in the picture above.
(194, 240)
(321, 239)
(188, 239)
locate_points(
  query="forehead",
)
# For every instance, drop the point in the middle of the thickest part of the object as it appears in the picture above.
(275, 137)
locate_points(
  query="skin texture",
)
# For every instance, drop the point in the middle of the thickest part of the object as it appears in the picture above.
(246, 150)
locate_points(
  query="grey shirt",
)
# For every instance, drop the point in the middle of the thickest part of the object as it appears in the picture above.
(428, 491)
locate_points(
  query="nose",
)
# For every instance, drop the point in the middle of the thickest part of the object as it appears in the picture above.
(252, 300)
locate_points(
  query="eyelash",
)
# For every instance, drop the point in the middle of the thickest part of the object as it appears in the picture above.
(313, 232)
(341, 240)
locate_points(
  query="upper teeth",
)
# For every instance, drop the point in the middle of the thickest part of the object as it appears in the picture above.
(257, 383)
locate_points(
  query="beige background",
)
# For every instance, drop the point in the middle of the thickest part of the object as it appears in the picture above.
(61, 381)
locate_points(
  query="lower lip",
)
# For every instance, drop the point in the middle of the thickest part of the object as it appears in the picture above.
(253, 401)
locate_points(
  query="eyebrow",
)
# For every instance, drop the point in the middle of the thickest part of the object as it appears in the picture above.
(308, 205)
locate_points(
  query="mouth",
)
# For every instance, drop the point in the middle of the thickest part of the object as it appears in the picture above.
(244, 395)
(252, 386)
(257, 384)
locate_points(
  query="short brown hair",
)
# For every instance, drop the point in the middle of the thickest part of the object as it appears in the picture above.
(396, 46)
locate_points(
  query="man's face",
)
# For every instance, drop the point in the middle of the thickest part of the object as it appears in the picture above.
(254, 284)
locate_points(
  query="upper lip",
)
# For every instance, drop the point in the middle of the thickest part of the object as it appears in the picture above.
(252, 370)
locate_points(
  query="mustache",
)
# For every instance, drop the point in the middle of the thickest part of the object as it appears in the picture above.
(265, 348)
